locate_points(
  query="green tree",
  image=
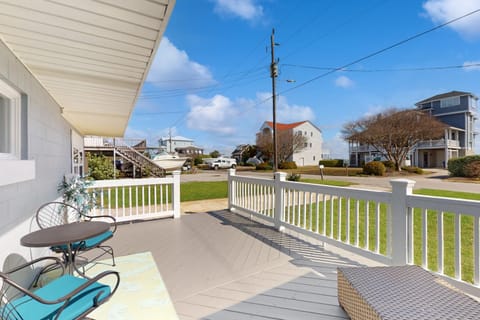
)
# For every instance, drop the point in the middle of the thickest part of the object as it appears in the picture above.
(215, 154)
(100, 167)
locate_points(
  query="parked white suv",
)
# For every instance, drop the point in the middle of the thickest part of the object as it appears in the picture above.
(222, 163)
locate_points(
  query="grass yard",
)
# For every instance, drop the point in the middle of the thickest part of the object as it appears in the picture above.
(196, 190)
(467, 223)
(311, 217)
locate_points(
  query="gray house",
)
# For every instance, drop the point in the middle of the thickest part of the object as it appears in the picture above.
(457, 110)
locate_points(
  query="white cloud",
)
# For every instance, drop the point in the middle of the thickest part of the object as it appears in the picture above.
(173, 69)
(241, 117)
(344, 82)
(286, 112)
(441, 11)
(336, 147)
(211, 115)
(244, 9)
(471, 65)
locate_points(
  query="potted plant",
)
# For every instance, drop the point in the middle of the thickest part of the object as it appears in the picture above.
(74, 192)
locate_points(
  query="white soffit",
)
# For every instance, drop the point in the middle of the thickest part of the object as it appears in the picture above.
(91, 55)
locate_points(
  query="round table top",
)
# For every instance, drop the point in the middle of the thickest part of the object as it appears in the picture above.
(64, 234)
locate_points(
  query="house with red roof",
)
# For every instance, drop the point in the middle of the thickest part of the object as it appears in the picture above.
(308, 154)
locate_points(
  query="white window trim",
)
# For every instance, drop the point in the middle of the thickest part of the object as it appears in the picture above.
(15, 103)
(12, 169)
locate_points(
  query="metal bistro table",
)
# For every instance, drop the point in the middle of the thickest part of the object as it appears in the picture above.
(66, 234)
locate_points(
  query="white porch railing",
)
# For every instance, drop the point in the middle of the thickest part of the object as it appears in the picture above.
(388, 227)
(134, 199)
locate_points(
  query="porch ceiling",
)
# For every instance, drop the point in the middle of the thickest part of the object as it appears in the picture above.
(91, 55)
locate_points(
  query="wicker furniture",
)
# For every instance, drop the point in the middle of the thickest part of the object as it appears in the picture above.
(403, 292)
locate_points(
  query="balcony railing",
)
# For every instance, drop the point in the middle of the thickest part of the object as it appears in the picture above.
(136, 199)
(427, 144)
(438, 144)
(394, 228)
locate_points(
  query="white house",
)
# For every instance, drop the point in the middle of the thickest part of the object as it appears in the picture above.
(79, 74)
(312, 150)
(170, 143)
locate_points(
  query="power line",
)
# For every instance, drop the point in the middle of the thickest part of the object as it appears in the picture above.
(418, 35)
(466, 65)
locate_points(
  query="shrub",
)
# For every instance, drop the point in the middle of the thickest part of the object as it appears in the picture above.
(389, 165)
(287, 165)
(457, 166)
(264, 166)
(197, 161)
(294, 177)
(99, 167)
(332, 163)
(472, 169)
(376, 168)
(416, 170)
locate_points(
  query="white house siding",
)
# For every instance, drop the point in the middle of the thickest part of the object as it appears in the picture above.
(311, 154)
(48, 147)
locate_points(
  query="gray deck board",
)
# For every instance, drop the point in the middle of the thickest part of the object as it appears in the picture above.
(221, 265)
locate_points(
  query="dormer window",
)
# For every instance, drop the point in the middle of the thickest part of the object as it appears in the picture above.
(450, 102)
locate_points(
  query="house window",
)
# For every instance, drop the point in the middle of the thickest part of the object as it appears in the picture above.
(77, 162)
(310, 144)
(10, 120)
(313, 158)
(311, 134)
(305, 145)
(450, 102)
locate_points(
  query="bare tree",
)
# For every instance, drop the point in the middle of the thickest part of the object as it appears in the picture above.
(288, 143)
(394, 133)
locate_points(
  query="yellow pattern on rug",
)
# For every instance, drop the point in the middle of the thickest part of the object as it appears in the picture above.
(142, 293)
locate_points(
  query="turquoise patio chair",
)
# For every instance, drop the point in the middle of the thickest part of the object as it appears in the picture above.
(57, 213)
(67, 297)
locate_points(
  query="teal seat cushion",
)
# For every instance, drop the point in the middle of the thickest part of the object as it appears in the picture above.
(27, 308)
(89, 243)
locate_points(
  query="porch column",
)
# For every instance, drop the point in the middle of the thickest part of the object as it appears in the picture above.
(176, 194)
(278, 213)
(231, 189)
(400, 223)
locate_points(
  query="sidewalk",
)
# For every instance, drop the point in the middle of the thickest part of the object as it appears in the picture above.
(189, 207)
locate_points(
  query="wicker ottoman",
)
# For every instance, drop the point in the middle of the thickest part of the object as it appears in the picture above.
(405, 292)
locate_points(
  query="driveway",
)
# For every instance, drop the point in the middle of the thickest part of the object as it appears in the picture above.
(436, 179)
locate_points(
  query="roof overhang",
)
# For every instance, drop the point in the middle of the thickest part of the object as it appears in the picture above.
(92, 56)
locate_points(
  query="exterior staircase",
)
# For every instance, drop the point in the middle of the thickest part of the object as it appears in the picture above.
(137, 159)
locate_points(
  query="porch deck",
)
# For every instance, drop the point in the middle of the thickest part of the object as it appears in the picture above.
(220, 265)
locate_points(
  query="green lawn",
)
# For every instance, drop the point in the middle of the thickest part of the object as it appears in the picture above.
(335, 183)
(199, 190)
(307, 217)
(448, 234)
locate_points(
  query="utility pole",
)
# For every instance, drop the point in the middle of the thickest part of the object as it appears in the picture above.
(274, 75)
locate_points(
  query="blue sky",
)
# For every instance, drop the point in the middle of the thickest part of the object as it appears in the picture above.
(210, 80)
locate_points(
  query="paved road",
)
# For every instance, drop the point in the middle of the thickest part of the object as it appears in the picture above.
(437, 179)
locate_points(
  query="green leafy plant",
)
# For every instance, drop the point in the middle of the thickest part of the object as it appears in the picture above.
(294, 177)
(100, 167)
(375, 168)
(74, 191)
